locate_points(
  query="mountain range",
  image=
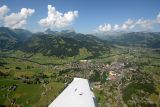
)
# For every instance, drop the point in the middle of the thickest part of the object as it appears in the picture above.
(143, 39)
(70, 43)
(64, 43)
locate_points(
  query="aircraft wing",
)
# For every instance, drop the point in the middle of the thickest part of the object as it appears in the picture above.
(77, 94)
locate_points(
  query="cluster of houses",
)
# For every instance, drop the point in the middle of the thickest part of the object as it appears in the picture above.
(112, 71)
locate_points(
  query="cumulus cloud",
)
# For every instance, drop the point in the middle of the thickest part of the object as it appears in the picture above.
(129, 22)
(125, 26)
(105, 27)
(56, 19)
(18, 20)
(15, 20)
(129, 25)
(116, 27)
(158, 18)
(3, 10)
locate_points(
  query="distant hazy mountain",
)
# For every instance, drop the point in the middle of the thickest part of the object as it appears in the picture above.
(49, 31)
(22, 34)
(70, 43)
(8, 38)
(19, 34)
(148, 39)
(7, 41)
(11, 39)
(8, 31)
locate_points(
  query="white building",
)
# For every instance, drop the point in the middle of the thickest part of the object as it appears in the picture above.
(77, 94)
(85, 61)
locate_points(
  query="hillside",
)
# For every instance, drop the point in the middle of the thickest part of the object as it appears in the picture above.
(147, 39)
(64, 43)
(22, 34)
(7, 41)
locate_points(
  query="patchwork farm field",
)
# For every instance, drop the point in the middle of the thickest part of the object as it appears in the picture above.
(35, 80)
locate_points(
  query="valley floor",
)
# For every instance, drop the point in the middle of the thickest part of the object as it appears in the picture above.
(125, 76)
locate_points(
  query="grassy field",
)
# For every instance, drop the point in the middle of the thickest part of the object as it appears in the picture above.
(100, 97)
(41, 69)
(28, 95)
(24, 94)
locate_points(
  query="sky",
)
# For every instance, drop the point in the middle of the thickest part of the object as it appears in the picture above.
(85, 16)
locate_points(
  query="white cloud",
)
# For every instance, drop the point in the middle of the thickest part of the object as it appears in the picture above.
(158, 18)
(130, 25)
(105, 28)
(116, 27)
(15, 20)
(125, 26)
(18, 20)
(129, 22)
(145, 23)
(56, 19)
(3, 10)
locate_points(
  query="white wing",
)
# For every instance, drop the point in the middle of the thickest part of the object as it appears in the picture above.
(77, 94)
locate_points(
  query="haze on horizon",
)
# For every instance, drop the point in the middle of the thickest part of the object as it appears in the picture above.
(82, 16)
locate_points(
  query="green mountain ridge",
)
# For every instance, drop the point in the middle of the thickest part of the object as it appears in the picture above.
(70, 43)
(63, 45)
(147, 39)
(7, 41)
(60, 44)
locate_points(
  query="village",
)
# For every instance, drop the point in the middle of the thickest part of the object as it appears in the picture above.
(89, 69)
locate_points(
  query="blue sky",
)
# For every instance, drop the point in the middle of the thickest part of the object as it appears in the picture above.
(91, 13)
